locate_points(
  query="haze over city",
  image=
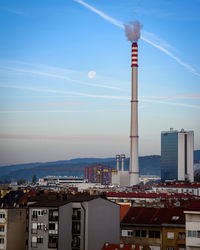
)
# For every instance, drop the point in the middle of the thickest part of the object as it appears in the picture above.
(65, 77)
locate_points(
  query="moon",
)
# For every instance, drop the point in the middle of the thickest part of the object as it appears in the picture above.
(91, 74)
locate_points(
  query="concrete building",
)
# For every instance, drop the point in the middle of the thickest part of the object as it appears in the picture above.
(61, 180)
(192, 222)
(13, 229)
(177, 149)
(156, 228)
(178, 187)
(80, 222)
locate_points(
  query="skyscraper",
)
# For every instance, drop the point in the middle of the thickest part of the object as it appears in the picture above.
(177, 149)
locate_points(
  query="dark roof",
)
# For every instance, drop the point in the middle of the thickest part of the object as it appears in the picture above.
(58, 203)
(11, 199)
(154, 216)
(193, 206)
(147, 195)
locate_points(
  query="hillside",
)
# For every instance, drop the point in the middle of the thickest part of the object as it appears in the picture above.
(148, 165)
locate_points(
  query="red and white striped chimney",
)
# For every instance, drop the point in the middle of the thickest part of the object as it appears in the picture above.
(133, 167)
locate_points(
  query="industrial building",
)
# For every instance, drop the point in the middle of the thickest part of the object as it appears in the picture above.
(177, 149)
(99, 174)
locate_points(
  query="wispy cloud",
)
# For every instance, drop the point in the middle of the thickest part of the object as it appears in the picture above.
(173, 103)
(15, 11)
(101, 14)
(147, 40)
(181, 96)
(58, 76)
(56, 137)
(64, 92)
(58, 104)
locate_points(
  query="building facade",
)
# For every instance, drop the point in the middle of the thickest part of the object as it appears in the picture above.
(177, 158)
(192, 222)
(155, 228)
(13, 229)
(75, 224)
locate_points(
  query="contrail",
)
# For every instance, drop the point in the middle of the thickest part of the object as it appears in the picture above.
(120, 25)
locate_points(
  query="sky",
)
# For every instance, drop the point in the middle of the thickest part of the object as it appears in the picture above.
(65, 76)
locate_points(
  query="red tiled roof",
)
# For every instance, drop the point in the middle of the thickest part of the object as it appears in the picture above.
(193, 206)
(147, 195)
(154, 216)
(123, 210)
(180, 185)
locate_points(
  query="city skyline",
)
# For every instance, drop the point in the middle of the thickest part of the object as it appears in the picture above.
(66, 77)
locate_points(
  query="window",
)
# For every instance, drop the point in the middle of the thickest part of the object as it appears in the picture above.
(76, 227)
(195, 234)
(2, 215)
(154, 234)
(1, 228)
(174, 218)
(181, 236)
(76, 242)
(76, 214)
(39, 239)
(170, 248)
(1, 240)
(37, 212)
(53, 215)
(34, 241)
(53, 242)
(52, 226)
(140, 233)
(170, 235)
(40, 226)
(127, 233)
(34, 228)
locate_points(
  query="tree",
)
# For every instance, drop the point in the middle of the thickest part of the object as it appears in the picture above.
(21, 181)
(34, 179)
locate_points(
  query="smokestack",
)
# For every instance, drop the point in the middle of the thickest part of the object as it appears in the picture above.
(123, 161)
(133, 167)
(117, 159)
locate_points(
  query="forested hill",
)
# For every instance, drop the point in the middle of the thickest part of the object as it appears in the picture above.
(148, 165)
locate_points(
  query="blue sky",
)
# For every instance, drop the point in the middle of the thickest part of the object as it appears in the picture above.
(50, 109)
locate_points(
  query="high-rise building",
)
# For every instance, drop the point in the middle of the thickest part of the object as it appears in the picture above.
(177, 149)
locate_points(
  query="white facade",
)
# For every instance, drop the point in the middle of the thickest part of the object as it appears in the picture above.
(185, 155)
(192, 230)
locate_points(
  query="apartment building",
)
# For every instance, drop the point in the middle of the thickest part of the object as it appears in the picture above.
(192, 221)
(156, 228)
(80, 222)
(13, 229)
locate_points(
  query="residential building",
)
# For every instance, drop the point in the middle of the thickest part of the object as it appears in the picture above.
(192, 222)
(156, 228)
(80, 222)
(177, 160)
(178, 187)
(13, 229)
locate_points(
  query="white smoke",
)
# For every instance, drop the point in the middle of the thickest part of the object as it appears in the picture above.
(132, 30)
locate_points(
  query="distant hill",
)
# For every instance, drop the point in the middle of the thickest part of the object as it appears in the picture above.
(148, 165)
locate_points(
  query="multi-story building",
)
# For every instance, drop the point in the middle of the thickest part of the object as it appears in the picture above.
(192, 222)
(177, 155)
(157, 228)
(99, 174)
(13, 229)
(80, 222)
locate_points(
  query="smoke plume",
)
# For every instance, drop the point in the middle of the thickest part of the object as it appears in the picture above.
(132, 30)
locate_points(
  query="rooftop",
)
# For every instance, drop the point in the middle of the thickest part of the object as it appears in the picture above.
(154, 216)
